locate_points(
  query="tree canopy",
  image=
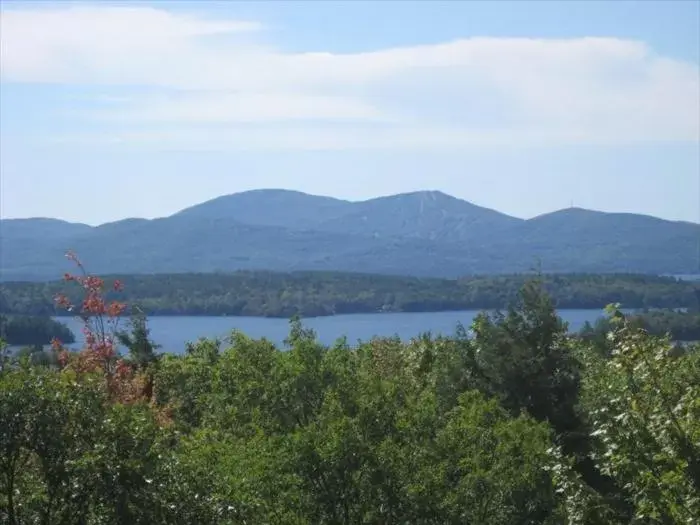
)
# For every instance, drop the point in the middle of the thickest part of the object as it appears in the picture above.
(327, 293)
(33, 330)
(511, 421)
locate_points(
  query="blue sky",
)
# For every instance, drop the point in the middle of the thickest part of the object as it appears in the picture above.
(109, 110)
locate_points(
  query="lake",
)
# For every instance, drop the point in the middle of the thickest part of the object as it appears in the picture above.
(173, 332)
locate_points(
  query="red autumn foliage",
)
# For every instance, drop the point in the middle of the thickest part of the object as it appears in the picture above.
(100, 325)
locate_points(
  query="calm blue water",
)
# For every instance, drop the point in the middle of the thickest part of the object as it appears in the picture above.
(688, 277)
(173, 332)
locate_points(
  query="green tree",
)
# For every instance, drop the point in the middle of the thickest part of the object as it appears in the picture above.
(33, 330)
(142, 350)
(642, 403)
(645, 412)
(524, 358)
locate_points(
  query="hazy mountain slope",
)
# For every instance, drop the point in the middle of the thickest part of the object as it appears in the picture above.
(619, 241)
(292, 209)
(422, 234)
(40, 228)
(425, 215)
(589, 227)
(181, 244)
(25, 245)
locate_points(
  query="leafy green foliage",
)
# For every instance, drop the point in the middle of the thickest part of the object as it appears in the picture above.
(511, 422)
(679, 325)
(644, 413)
(35, 355)
(140, 347)
(524, 357)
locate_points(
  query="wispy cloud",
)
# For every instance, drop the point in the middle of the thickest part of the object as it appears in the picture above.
(240, 91)
(240, 107)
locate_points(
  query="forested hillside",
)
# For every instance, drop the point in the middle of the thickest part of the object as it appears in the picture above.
(327, 293)
(32, 330)
(426, 234)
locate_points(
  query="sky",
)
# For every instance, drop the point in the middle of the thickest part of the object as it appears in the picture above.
(135, 109)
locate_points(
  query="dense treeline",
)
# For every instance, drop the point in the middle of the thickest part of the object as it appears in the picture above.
(679, 325)
(317, 293)
(513, 423)
(33, 330)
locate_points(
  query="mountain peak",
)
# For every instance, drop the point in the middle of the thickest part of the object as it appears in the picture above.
(270, 192)
(426, 195)
(268, 207)
(427, 233)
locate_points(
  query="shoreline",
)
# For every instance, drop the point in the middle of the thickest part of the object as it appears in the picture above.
(369, 312)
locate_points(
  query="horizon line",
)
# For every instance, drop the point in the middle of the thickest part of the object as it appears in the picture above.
(569, 207)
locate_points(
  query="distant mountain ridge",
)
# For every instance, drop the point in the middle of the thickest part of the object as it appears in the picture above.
(270, 208)
(426, 233)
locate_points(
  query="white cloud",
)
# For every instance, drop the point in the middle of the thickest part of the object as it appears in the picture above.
(242, 107)
(473, 91)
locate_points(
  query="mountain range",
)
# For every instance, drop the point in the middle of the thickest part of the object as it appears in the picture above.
(426, 233)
